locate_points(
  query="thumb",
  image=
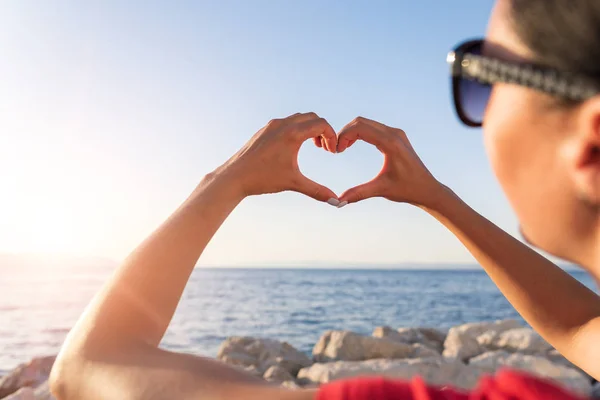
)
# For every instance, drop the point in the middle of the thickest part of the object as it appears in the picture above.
(316, 191)
(361, 192)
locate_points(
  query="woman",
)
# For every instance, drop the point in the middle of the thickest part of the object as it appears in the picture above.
(542, 132)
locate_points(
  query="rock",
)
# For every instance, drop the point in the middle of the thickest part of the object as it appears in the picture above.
(290, 385)
(239, 360)
(557, 358)
(350, 346)
(25, 393)
(436, 372)
(249, 369)
(491, 361)
(461, 346)
(262, 354)
(420, 351)
(31, 375)
(388, 333)
(568, 377)
(486, 339)
(475, 329)
(434, 335)
(43, 392)
(429, 337)
(522, 340)
(275, 373)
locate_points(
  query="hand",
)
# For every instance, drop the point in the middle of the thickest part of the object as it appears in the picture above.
(403, 178)
(268, 163)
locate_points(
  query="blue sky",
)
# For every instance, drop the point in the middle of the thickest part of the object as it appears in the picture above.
(111, 112)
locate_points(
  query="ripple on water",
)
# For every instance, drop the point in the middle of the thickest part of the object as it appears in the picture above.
(296, 306)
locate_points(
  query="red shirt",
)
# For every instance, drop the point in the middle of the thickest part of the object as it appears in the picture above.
(506, 385)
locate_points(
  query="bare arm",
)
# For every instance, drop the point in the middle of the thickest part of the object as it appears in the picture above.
(112, 352)
(561, 309)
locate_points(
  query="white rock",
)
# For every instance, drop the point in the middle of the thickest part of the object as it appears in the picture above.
(262, 354)
(275, 373)
(434, 371)
(249, 369)
(389, 333)
(522, 340)
(22, 394)
(491, 361)
(420, 351)
(31, 374)
(433, 334)
(486, 339)
(461, 346)
(239, 359)
(290, 385)
(557, 358)
(475, 329)
(570, 378)
(350, 346)
(429, 337)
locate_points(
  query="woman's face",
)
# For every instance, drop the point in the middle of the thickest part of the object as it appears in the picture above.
(537, 150)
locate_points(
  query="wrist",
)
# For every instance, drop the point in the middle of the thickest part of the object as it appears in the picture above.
(440, 200)
(226, 184)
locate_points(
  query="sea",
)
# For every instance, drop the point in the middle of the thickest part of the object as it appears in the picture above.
(38, 306)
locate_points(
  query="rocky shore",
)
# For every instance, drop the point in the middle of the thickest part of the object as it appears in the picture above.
(457, 357)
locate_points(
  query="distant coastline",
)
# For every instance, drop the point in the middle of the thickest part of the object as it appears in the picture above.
(65, 260)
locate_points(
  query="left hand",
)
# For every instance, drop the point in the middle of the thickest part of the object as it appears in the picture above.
(403, 178)
(268, 163)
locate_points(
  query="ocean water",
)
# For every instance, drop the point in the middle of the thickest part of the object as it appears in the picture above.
(38, 306)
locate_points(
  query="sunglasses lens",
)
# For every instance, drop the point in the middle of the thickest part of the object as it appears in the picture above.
(474, 98)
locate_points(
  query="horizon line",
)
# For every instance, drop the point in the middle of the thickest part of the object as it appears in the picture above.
(305, 264)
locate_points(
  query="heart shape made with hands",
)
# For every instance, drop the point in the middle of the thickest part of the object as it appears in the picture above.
(358, 164)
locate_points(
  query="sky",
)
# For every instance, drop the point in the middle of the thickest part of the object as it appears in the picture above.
(111, 112)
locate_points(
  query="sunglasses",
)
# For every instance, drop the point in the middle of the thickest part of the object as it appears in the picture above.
(474, 74)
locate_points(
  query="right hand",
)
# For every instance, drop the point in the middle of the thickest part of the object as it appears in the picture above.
(268, 163)
(403, 178)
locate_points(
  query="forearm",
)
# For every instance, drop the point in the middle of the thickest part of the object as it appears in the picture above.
(112, 351)
(552, 301)
(137, 304)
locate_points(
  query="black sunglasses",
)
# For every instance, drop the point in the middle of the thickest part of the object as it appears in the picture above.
(474, 74)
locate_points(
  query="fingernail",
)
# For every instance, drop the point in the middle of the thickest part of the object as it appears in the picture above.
(342, 204)
(334, 202)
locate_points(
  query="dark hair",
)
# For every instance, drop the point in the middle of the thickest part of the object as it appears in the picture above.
(563, 34)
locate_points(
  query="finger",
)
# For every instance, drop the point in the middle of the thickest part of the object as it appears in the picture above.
(302, 117)
(361, 129)
(320, 142)
(318, 127)
(317, 141)
(361, 192)
(324, 143)
(318, 192)
(404, 138)
(374, 123)
(394, 131)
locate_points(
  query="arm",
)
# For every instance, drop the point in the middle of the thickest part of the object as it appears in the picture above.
(112, 352)
(561, 309)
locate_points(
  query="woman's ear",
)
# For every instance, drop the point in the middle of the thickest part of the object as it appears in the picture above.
(582, 152)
